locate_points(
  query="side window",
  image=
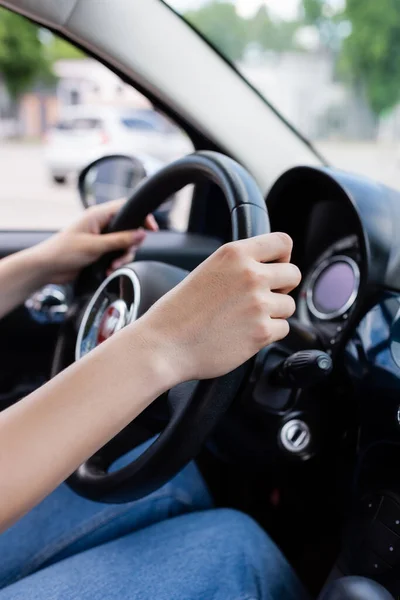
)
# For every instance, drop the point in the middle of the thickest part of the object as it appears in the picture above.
(137, 124)
(59, 111)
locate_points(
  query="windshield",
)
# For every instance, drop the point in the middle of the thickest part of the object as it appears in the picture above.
(330, 67)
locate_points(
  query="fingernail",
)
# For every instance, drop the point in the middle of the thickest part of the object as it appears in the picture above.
(153, 223)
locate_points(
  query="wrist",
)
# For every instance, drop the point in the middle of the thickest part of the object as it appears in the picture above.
(37, 265)
(158, 354)
(40, 262)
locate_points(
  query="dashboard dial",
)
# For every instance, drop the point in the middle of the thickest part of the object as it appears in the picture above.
(333, 287)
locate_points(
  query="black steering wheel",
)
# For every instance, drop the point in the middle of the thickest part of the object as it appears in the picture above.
(195, 408)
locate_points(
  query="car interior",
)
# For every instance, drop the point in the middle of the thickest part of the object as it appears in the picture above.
(305, 437)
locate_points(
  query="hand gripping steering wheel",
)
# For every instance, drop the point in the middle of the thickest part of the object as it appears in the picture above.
(193, 410)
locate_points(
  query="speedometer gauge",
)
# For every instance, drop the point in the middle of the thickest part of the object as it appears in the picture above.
(333, 287)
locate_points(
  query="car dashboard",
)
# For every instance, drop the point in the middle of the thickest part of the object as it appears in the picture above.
(346, 232)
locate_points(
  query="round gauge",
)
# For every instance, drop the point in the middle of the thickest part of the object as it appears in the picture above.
(333, 287)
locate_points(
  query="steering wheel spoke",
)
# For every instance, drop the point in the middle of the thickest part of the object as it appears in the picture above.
(179, 396)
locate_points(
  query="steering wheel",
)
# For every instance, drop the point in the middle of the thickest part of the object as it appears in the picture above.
(194, 408)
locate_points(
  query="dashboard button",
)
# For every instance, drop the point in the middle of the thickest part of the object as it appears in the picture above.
(384, 543)
(369, 505)
(389, 515)
(370, 564)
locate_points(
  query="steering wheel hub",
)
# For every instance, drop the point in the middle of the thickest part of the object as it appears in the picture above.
(114, 319)
(114, 305)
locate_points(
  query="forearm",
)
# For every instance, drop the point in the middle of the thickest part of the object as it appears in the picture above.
(46, 436)
(20, 275)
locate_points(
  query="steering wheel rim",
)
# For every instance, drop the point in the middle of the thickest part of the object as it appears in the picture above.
(249, 216)
(195, 415)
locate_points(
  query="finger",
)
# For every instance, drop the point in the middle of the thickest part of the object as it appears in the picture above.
(105, 212)
(117, 264)
(151, 223)
(278, 329)
(122, 240)
(270, 247)
(280, 306)
(282, 277)
(127, 258)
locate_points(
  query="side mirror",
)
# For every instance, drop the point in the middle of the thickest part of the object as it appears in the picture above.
(109, 178)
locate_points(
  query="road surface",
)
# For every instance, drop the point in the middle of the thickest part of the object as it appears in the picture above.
(28, 198)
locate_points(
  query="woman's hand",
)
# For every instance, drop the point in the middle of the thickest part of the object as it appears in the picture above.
(68, 252)
(226, 310)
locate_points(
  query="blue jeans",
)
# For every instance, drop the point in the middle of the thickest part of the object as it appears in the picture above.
(169, 546)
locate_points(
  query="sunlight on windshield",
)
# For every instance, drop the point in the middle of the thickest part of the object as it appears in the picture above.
(331, 67)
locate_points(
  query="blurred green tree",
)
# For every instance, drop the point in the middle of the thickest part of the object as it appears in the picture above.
(313, 11)
(369, 54)
(222, 26)
(230, 33)
(26, 56)
(59, 49)
(22, 57)
(271, 34)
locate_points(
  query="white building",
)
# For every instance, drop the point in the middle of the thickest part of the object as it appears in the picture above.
(86, 81)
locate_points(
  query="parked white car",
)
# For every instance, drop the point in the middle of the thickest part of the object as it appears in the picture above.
(86, 133)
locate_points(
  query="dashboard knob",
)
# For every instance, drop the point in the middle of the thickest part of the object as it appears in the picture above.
(48, 305)
(303, 369)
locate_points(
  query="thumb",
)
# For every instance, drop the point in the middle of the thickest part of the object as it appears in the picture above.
(119, 241)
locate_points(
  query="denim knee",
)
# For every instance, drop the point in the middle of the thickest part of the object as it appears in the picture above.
(248, 554)
(218, 554)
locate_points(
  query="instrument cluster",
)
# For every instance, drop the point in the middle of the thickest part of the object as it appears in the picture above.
(330, 288)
